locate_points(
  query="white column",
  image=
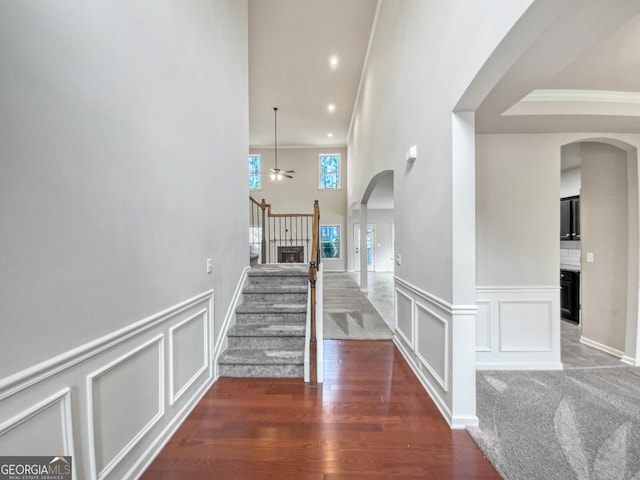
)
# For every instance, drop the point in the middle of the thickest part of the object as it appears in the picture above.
(464, 311)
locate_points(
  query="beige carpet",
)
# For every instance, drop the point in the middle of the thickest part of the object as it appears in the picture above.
(348, 313)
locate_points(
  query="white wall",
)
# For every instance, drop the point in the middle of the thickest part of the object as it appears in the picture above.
(410, 87)
(297, 194)
(383, 251)
(517, 231)
(518, 187)
(604, 232)
(117, 120)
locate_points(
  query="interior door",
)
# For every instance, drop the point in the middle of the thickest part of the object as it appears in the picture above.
(371, 257)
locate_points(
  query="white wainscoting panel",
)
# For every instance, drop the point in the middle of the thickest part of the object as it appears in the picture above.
(483, 326)
(188, 353)
(525, 326)
(44, 427)
(518, 328)
(116, 419)
(116, 388)
(404, 316)
(432, 346)
(424, 336)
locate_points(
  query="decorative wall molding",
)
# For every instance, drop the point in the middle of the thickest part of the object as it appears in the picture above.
(89, 380)
(426, 295)
(174, 395)
(30, 376)
(430, 356)
(409, 336)
(92, 416)
(518, 327)
(229, 320)
(437, 367)
(62, 400)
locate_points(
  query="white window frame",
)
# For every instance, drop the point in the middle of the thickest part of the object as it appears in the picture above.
(258, 173)
(320, 173)
(339, 257)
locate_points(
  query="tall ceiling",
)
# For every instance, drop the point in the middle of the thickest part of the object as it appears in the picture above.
(290, 46)
(592, 88)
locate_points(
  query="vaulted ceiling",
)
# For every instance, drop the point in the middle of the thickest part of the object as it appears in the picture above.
(291, 43)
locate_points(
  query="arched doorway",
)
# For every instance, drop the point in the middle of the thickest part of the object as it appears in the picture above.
(608, 243)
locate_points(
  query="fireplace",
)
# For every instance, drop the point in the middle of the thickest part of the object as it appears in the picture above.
(291, 254)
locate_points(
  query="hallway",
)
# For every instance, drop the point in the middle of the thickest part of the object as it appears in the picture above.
(370, 419)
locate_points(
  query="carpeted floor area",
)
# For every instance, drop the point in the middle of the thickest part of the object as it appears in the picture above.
(348, 313)
(577, 424)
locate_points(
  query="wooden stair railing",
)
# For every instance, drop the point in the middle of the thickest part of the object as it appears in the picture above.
(280, 237)
(314, 264)
(274, 232)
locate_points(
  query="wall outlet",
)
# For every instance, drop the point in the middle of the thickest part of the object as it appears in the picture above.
(209, 265)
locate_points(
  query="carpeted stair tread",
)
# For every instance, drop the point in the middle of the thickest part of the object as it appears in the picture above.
(242, 356)
(269, 307)
(296, 270)
(275, 289)
(267, 330)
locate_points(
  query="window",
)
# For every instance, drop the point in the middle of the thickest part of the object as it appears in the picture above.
(330, 241)
(330, 172)
(255, 179)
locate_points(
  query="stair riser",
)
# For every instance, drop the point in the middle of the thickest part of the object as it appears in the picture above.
(267, 343)
(274, 297)
(285, 318)
(273, 281)
(262, 371)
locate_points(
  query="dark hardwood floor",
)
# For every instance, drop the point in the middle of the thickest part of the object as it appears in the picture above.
(370, 419)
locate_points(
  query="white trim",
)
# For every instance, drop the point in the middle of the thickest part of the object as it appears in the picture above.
(507, 348)
(339, 257)
(442, 381)
(575, 95)
(372, 35)
(602, 347)
(427, 296)
(63, 398)
(320, 188)
(229, 319)
(518, 366)
(150, 454)
(157, 340)
(175, 396)
(411, 310)
(630, 361)
(518, 289)
(32, 375)
(433, 393)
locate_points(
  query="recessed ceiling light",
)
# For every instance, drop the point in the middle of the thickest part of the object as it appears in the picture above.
(333, 61)
(329, 134)
(331, 107)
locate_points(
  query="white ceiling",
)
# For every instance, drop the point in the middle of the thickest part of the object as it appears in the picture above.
(595, 45)
(591, 85)
(290, 44)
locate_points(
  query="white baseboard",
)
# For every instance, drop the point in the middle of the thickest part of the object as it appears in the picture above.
(602, 347)
(77, 398)
(519, 366)
(630, 361)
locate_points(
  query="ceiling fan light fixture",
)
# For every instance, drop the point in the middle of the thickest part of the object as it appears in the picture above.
(272, 176)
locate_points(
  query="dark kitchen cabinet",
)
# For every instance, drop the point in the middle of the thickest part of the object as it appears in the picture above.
(570, 295)
(570, 218)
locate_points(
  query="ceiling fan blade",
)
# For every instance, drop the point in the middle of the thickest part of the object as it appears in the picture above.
(289, 171)
(286, 174)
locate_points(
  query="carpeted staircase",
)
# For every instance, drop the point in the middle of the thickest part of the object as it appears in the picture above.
(267, 339)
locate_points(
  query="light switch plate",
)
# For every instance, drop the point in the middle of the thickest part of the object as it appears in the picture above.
(398, 259)
(589, 257)
(209, 265)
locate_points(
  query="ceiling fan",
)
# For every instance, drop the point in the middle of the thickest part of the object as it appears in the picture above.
(276, 173)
